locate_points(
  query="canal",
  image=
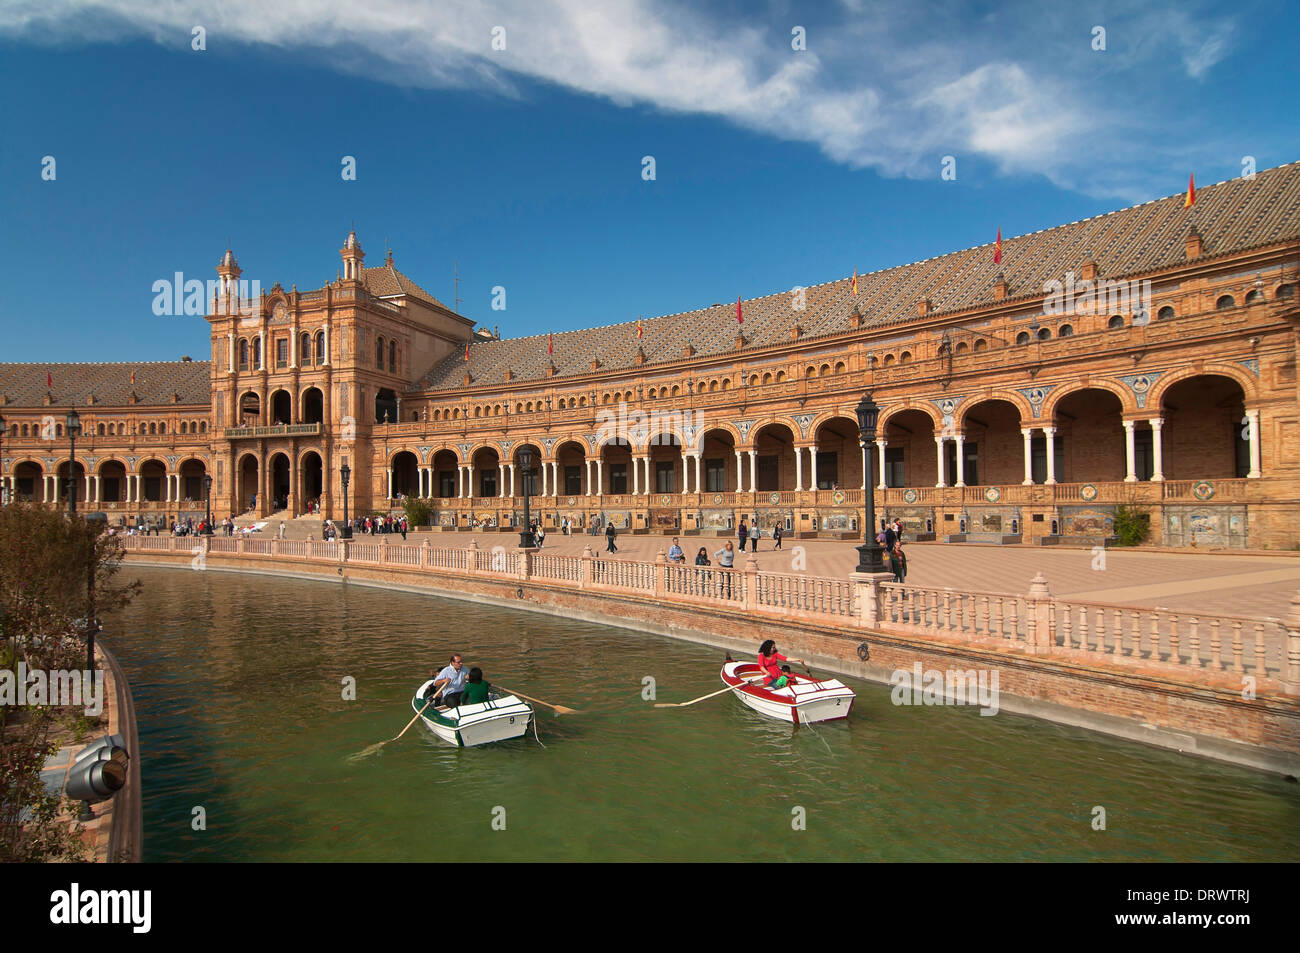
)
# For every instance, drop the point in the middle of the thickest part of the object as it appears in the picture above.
(239, 681)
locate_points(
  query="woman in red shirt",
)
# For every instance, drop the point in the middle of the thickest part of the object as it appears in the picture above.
(768, 656)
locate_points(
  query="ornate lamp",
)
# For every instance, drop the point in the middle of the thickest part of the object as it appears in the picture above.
(207, 498)
(870, 554)
(73, 423)
(345, 472)
(526, 534)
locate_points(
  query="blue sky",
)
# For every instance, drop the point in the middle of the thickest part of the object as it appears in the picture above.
(774, 167)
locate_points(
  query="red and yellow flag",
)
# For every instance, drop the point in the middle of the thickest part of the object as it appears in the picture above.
(133, 378)
(997, 248)
(639, 330)
(1190, 198)
(855, 282)
(467, 352)
(740, 317)
(49, 381)
(550, 344)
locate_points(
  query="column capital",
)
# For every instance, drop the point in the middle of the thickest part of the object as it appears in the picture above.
(1049, 431)
(1128, 424)
(1156, 422)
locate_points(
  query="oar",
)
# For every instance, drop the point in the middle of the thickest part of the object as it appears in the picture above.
(375, 747)
(729, 688)
(559, 709)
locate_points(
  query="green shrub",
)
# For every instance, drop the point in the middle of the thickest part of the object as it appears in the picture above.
(1132, 525)
(418, 511)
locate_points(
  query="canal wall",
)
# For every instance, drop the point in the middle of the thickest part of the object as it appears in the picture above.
(1122, 676)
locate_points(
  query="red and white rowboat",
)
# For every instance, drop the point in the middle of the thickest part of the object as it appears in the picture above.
(803, 701)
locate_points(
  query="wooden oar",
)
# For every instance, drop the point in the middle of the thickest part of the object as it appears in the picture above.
(559, 709)
(729, 688)
(375, 747)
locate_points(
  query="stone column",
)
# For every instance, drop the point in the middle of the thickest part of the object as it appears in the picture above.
(469, 482)
(636, 474)
(501, 479)
(798, 469)
(881, 444)
(961, 458)
(812, 468)
(740, 481)
(326, 362)
(460, 479)
(697, 473)
(389, 473)
(753, 471)
(587, 466)
(938, 455)
(1252, 418)
(686, 475)
(555, 483)
(1028, 434)
(646, 488)
(512, 479)
(1130, 474)
(600, 476)
(1157, 451)
(1050, 433)
(230, 368)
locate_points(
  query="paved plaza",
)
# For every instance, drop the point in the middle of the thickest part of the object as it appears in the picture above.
(1213, 582)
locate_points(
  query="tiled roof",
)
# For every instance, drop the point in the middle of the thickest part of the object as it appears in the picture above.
(1230, 216)
(386, 280)
(24, 385)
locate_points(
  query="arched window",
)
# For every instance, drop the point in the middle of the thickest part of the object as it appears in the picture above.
(392, 356)
(905, 357)
(889, 360)
(1044, 334)
(1165, 313)
(320, 347)
(24, 430)
(1065, 331)
(1254, 296)
(379, 353)
(981, 345)
(1022, 337)
(825, 369)
(101, 430)
(184, 425)
(780, 376)
(962, 347)
(1286, 292)
(203, 426)
(243, 354)
(304, 348)
(809, 371)
(1225, 302)
(257, 354)
(1116, 322)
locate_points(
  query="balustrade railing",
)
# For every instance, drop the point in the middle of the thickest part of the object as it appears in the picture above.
(1232, 646)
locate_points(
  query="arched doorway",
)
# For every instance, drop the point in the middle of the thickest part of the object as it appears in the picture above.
(838, 453)
(112, 482)
(312, 480)
(994, 447)
(445, 463)
(78, 486)
(773, 461)
(153, 481)
(385, 406)
(191, 480)
(571, 457)
(29, 482)
(281, 408)
(313, 406)
(406, 475)
(280, 482)
(250, 409)
(487, 472)
(1206, 434)
(249, 487)
(909, 449)
(717, 469)
(1089, 443)
(616, 463)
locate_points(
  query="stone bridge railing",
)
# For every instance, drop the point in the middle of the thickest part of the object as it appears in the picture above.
(1265, 649)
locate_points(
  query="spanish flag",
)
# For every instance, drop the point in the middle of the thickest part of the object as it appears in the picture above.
(1190, 198)
(997, 248)
(133, 378)
(550, 345)
(49, 381)
(639, 330)
(855, 282)
(740, 317)
(467, 352)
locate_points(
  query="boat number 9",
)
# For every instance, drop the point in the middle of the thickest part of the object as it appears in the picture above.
(864, 651)
(512, 719)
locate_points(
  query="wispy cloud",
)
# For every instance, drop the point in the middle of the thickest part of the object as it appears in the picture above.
(1004, 87)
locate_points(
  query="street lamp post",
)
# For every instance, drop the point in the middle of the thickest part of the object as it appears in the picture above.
(346, 473)
(526, 534)
(73, 424)
(4, 490)
(207, 498)
(870, 554)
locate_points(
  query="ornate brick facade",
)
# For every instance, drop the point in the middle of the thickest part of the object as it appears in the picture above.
(1145, 357)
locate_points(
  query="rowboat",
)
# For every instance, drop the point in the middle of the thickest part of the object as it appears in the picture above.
(497, 719)
(804, 700)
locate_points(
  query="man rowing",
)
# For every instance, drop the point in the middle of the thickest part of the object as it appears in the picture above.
(450, 682)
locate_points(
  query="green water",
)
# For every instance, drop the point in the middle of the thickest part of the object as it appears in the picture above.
(238, 682)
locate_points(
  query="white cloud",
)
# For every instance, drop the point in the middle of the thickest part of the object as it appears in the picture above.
(887, 87)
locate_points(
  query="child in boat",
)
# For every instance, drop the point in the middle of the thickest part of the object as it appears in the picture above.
(768, 656)
(476, 690)
(783, 681)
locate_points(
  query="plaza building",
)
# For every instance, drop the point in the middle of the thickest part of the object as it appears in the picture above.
(1144, 358)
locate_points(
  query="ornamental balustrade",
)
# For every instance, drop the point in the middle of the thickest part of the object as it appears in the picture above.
(1224, 647)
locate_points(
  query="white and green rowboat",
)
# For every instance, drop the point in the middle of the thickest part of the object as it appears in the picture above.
(497, 719)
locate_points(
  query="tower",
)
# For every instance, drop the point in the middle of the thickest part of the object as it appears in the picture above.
(353, 257)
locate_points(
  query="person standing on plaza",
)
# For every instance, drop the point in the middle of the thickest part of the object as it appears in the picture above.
(675, 553)
(609, 538)
(755, 532)
(898, 562)
(742, 533)
(776, 536)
